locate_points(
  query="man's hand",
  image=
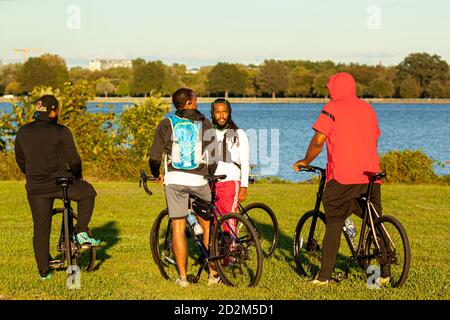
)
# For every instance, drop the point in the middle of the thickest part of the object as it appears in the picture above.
(160, 179)
(301, 163)
(242, 194)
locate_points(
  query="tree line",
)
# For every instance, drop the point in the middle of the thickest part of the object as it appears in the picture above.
(419, 75)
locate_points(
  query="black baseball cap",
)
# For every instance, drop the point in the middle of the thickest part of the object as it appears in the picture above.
(45, 105)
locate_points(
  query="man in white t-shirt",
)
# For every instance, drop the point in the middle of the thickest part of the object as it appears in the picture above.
(232, 157)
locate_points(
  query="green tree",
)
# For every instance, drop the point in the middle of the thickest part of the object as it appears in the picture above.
(424, 68)
(147, 77)
(137, 125)
(273, 78)
(301, 82)
(105, 87)
(123, 89)
(47, 70)
(409, 88)
(78, 74)
(225, 78)
(197, 81)
(437, 89)
(320, 85)
(381, 88)
(13, 87)
(174, 79)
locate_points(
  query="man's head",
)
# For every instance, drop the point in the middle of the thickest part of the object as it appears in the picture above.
(47, 108)
(221, 112)
(341, 86)
(184, 98)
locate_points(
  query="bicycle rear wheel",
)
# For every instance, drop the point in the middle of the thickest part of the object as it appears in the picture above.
(265, 223)
(161, 246)
(237, 257)
(394, 256)
(308, 250)
(86, 255)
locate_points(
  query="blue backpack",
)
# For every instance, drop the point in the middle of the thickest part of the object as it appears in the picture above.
(187, 143)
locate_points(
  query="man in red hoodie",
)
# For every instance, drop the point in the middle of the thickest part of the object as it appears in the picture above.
(350, 128)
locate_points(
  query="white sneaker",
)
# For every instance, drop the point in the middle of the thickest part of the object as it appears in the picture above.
(319, 283)
(213, 280)
(182, 282)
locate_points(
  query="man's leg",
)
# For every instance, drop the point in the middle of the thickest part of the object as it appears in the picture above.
(180, 245)
(331, 243)
(337, 203)
(227, 201)
(84, 194)
(177, 198)
(41, 209)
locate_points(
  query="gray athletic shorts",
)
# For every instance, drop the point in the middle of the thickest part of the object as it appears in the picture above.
(177, 198)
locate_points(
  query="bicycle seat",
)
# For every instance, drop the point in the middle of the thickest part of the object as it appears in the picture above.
(373, 176)
(64, 181)
(213, 178)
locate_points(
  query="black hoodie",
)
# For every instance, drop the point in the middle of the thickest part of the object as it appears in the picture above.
(44, 150)
(162, 143)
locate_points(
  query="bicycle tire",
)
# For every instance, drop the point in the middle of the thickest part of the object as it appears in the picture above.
(233, 255)
(257, 214)
(91, 251)
(308, 258)
(391, 255)
(167, 268)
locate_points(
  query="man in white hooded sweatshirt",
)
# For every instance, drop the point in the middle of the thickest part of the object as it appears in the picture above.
(232, 156)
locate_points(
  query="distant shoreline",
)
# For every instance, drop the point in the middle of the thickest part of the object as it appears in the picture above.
(266, 100)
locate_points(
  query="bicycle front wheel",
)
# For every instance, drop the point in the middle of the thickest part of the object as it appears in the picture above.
(392, 255)
(237, 255)
(308, 240)
(265, 223)
(161, 246)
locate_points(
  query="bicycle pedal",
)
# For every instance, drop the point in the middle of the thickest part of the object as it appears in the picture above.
(56, 264)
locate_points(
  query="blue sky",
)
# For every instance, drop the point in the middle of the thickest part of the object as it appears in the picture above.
(203, 32)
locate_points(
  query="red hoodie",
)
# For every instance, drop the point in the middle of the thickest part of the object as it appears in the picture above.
(351, 127)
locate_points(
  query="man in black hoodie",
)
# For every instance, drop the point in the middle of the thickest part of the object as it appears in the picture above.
(182, 179)
(45, 151)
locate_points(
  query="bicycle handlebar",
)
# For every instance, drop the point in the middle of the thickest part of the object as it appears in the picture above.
(311, 169)
(143, 181)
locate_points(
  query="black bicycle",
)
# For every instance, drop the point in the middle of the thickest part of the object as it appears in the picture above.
(235, 252)
(383, 242)
(263, 220)
(68, 245)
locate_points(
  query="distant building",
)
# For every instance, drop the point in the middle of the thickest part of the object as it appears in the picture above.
(103, 64)
(193, 70)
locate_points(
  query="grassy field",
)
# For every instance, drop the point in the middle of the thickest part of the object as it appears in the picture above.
(123, 217)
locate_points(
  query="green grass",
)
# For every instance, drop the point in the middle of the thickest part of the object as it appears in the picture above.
(123, 217)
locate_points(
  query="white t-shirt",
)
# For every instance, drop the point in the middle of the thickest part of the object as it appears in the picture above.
(240, 153)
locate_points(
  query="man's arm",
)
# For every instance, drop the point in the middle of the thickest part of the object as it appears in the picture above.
(244, 156)
(20, 156)
(314, 149)
(71, 156)
(210, 143)
(157, 149)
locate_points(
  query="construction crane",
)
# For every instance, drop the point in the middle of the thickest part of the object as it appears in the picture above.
(25, 52)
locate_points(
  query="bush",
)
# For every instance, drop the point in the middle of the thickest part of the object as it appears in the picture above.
(9, 170)
(410, 167)
(111, 146)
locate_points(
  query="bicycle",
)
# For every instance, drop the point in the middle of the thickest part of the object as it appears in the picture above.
(383, 241)
(237, 256)
(263, 220)
(68, 244)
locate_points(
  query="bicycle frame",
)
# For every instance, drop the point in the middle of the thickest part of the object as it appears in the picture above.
(368, 215)
(216, 214)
